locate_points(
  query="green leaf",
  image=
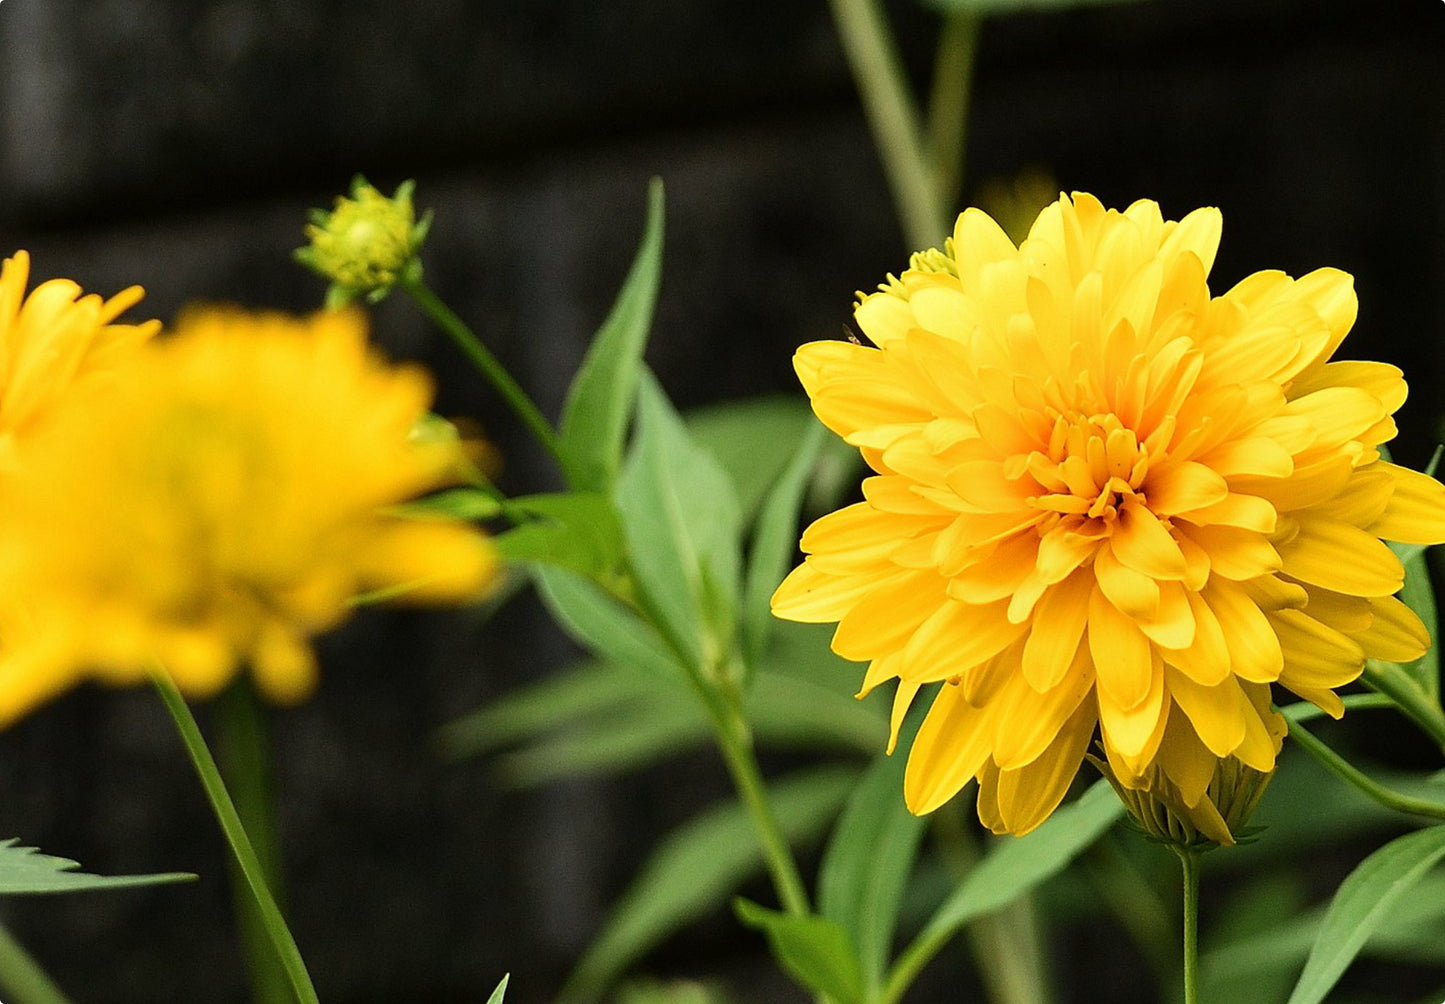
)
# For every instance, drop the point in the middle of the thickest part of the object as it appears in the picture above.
(1419, 595)
(455, 503)
(635, 738)
(1018, 864)
(796, 713)
(814, 950)
(599, 402)
(866, 866)
(602, 624)
(499, 994)
(754, 440)
(775, 542)
(1363, 901)
(683, 530)
(574, 530)
(694, 869)
(26, 870)
(989, 8)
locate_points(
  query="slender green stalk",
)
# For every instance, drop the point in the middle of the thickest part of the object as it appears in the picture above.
(243, 754)
(949, 100)
(22, 978)
(1409, 697)
(1189, 860)
(235, 832)
(481, 357)
(893, 117)
(736, 745)
(1346, 771)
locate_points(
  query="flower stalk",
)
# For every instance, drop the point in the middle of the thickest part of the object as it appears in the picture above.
(1189, 862)
(1392, 681)
(1350, 774)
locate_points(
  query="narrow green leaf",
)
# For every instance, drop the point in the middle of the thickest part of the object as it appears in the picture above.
(775, 542)
(1419, 595)
(599, 403)
(1018, 864)
(454, 503)
(692, 871)
(602, 624)
(867, 863)
(26, 870)
(796, 713)
(754, 439)
(499, 994)
(574, 530)
(639, 737)
(814, 950)
(1363, 901)
(683, 529)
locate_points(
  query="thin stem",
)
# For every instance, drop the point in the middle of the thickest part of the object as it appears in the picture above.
(21, 976)
(243, 749)
(737, 749)
(893, 118)
(481, 357)
(1189, 860)
(949, 100)
(230, 821)
(1346, 771)
(1409, 696)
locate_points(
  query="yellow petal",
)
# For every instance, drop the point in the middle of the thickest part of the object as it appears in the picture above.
(956, 638)
(1027, 722)
(1056, 630)
(1341, 557)
(1396, 634)
(1133, 593)
(1027, 795)
(1206, 659)
(1123, 657)
(951, 746)
(813, 597)
(1217, 713)
(1183, 487)
(1415, 513)
(1235, 553)
(883, 619)
(1254, 648)
(1141, 542)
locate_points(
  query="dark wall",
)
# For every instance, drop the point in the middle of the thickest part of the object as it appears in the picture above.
(177, 144)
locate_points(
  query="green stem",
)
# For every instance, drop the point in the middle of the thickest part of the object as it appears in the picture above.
(1346, 771)
(893, 118)
(243, 750)
(1409, 696)
(736, 745)
(1189, 859)
(949, 100)
(21, 976)
(244, 853)
(486, 363)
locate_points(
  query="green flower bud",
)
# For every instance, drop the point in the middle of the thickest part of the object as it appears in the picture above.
(366, 244)
(1217, 819)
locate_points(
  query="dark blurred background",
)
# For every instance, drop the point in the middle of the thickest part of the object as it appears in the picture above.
(177, 144)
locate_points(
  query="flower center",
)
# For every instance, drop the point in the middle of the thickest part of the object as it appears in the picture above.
(1094, 465)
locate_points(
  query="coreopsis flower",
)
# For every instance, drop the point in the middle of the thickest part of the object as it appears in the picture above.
(366, 244)
(226, 498)
(1105, 499)
(54, 343)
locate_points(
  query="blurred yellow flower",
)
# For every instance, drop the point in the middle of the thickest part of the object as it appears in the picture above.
(1107, 499)
(53, 342)
(222, 501)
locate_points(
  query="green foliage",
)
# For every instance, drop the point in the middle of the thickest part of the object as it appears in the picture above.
(455, 503)
(1362, 902)
(1018, 864)
(683, 530)
(815, 951)
(754, 441)
(573, 530)
(867, 864)
(26, 870)
(499, 994)
(599, 402)
(694, 869)
(604, 624)
(1419, 595)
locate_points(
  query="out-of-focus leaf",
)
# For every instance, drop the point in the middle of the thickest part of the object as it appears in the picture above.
(599, 402)
(602, 624)
(574, 530)
(867, 863)
(632, 739)
(683, 531)
(587, 690)
(1017, 864)
(814, 950)
(1419, 595)
(988, 8)
(26, 870)
(1361, 903)
(499, 994)
(788, 711)
(775, 542)
(695, 868)
(754, 441)
(454, 503)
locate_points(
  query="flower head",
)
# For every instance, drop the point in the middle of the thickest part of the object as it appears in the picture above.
(1106, 499)
(366, 244)
(225, 499)
(55, 342)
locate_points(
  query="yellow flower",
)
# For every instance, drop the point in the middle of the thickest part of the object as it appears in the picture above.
(224, 500)
(1105, 499)
(53, 342)
(366, 244)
